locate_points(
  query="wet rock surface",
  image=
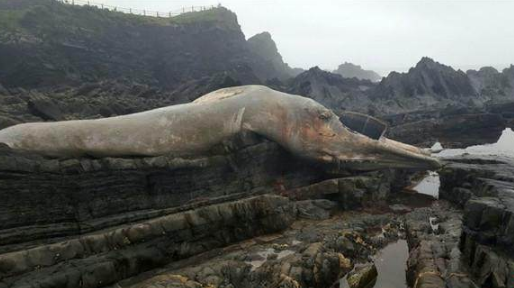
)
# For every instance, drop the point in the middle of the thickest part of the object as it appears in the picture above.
(433, 235)
(314, 234)
(483, 186)
(311, 253)
(363, 276)
(62, 197)
(101, 258)
(92, 222)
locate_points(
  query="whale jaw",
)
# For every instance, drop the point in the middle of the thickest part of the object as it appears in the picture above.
(368, 154)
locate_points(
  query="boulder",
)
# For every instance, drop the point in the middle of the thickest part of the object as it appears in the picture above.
(363, 276)
(315, 209)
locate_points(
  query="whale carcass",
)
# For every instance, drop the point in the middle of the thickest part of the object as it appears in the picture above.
(302, 126)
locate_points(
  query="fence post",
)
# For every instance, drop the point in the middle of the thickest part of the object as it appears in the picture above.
(144, 12)
(130, 10)
(157, 14)
(102, 6)
(169, 14)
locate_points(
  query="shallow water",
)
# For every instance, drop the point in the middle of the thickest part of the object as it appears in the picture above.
(390, 262)
(429, 185)
(503, 147)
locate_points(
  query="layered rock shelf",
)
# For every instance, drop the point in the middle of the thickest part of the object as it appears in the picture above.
(89, 222)
(46, 198)
(484, 187)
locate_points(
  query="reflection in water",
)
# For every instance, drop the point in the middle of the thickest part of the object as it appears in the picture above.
(390, 262)
(429, 185)
(504, 147)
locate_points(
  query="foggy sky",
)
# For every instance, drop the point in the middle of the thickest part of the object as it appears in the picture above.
(379, 35)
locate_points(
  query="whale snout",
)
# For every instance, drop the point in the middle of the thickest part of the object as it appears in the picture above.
(358, 152)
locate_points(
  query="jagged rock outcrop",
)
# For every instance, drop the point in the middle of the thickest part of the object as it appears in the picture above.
(264, 47)
(349, 70)
(492, 84)
(428, 85)
(332, 90)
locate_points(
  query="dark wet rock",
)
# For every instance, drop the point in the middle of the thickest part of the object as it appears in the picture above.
(104, 257)
(315, 209)
(62, 197)
(435, 261)
(489, 266)
(451, 130)
(278, 261)
(483, 185)
(362, 276)
(350, 192)
(349, 70)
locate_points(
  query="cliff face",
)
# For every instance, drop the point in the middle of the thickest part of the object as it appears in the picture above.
(45, 43)
(263, 46)
(349, 70)
(62, 62)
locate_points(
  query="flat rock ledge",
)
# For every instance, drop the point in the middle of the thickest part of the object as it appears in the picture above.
(44, 198)
(101, 258)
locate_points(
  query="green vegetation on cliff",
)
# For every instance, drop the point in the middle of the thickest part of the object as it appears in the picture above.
(50, 17)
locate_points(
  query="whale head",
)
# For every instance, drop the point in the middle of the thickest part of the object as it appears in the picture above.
(353, 142)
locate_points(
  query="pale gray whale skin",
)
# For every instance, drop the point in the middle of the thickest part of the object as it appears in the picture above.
(300, 125)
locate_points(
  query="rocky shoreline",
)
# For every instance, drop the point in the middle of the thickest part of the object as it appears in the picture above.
(284, 230)
(93, 222)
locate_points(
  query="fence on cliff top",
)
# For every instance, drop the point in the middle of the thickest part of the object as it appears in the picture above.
(142, 12)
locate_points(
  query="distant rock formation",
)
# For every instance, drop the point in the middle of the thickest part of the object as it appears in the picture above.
(349, 70)
(428, 84)
(490, 83)
(332, 90)
(264, 47)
